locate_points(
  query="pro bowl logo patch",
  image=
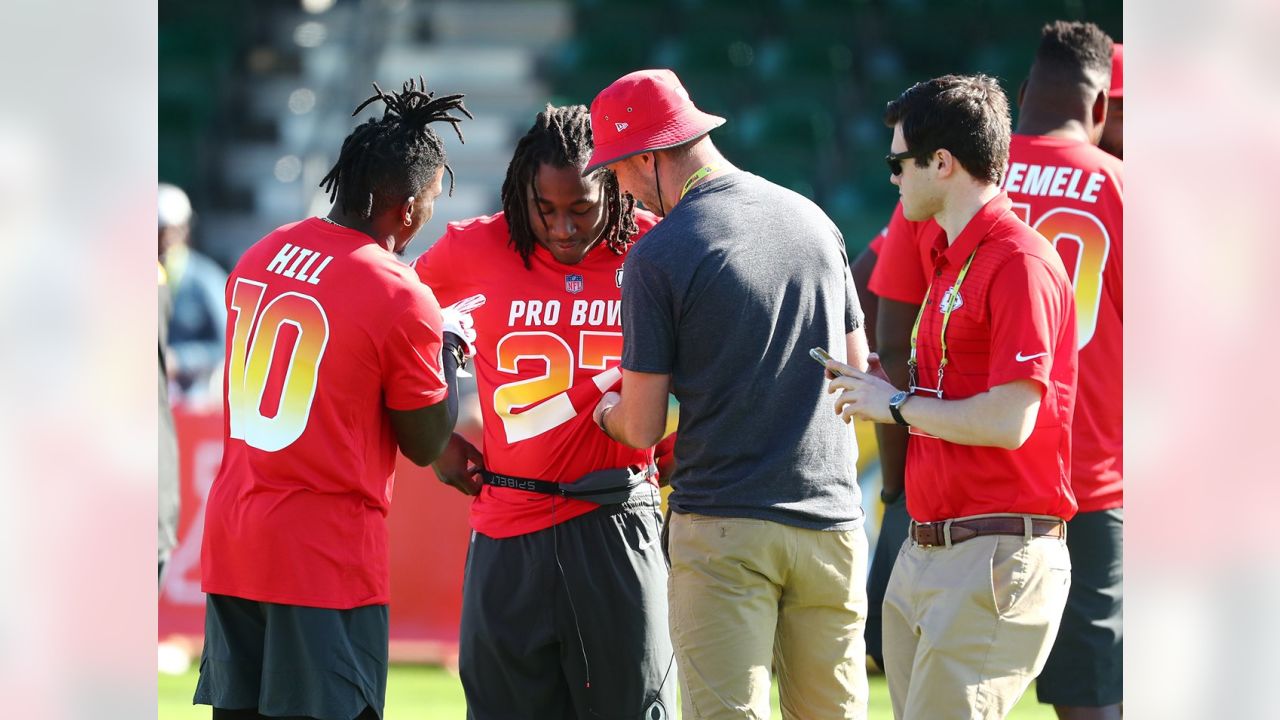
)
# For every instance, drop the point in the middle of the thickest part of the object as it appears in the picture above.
(951, 300)
(617, 277)
(573, 284)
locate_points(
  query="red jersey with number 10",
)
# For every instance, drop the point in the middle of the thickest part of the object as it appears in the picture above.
(1073, 194)
(548, 344)
(326, 330)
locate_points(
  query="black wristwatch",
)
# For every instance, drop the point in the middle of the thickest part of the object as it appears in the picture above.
(895, 407)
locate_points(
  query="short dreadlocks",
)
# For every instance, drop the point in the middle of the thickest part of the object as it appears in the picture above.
(561, 137)
(388, 159)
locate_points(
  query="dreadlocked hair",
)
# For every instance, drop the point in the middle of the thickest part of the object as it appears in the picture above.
(385, 160)
(561, 137)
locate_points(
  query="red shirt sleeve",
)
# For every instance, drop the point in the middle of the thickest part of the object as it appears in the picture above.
(1032, 313)
(877, 242)
(899, 274)
(412, 375)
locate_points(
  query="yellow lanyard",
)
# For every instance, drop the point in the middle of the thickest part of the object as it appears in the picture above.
(700, 173)
(949, 301)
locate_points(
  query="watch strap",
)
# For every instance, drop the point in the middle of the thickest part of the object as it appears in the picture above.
(897, 413)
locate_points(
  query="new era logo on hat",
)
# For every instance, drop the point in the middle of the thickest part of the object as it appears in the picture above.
(656, 111)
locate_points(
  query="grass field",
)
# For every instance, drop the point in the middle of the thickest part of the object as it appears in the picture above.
(421, 692)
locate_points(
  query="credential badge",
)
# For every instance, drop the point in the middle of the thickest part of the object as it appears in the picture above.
(951, 300)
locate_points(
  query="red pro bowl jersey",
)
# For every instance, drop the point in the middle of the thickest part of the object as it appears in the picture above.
(548, 344)
(325, 331)
(1012, 318)
(1072, 193)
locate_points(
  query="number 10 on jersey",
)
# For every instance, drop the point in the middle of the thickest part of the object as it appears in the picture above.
(293, 324)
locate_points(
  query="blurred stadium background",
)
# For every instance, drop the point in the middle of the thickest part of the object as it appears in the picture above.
(255, 99)
(256, 95)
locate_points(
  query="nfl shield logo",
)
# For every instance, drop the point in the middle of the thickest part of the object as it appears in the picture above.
(573, 284)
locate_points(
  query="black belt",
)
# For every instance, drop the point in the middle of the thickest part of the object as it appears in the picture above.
(605, 487)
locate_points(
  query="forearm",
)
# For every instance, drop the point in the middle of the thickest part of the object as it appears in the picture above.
(999, 417)
(856, 348)
(449, 362)
(638, 417)
(892, 440)
(623, 423)
(893, 340)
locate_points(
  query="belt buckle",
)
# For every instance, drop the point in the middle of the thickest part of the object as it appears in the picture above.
(932, 527)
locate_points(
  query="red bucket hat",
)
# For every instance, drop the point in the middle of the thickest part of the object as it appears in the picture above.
(643, 111)
(1117, 71)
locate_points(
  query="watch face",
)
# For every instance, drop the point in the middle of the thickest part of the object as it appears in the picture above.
(898, 398)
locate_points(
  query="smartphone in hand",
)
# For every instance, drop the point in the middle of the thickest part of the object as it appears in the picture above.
(823, 357)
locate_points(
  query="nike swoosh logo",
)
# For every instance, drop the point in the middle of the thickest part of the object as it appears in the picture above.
(645, 545)
(1023, 358)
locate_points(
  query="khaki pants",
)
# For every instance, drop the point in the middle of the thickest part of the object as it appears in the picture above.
(967, 628)
(747, 594)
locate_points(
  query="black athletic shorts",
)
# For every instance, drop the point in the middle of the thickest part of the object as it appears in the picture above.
(1086, 666)
(288, 660)
(570, 621)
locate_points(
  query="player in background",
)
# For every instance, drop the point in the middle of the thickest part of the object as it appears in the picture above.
(1072, 193)
(564, 610)
(894, 521)
(336, 355)
(1113, 131)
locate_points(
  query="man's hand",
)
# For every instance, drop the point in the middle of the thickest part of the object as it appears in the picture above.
(459, 466)
(865, 395)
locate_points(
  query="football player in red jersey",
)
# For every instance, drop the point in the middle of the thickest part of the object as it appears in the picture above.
(564, 610)
(336, 355)
(1072, 193)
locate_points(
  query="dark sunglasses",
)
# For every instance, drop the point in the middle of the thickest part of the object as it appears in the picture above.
(894, 160)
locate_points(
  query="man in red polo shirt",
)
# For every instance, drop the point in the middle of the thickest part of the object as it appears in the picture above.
(976, 596)
(1062, 112)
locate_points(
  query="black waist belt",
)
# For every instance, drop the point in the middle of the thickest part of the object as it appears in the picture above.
(605, 487)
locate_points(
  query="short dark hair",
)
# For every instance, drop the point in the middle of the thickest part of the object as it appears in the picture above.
(967, 115)
(1075, 53)
(387, 159)
(561, 137)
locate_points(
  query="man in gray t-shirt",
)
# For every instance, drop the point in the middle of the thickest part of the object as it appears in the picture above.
(721, 303)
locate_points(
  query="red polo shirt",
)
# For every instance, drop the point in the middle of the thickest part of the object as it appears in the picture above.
(1015, 320)
(1072, 193)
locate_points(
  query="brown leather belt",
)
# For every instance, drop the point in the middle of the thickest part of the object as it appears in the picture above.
(932, 534)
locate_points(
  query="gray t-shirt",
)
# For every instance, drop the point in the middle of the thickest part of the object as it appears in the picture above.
(727, 295)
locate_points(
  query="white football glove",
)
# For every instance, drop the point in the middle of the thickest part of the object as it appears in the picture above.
(457, 320)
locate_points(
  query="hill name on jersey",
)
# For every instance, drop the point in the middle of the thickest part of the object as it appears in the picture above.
(302, 262)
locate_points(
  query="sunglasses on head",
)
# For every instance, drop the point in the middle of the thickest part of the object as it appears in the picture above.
(894, 160)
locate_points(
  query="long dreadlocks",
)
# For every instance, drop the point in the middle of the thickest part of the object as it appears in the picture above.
(561, 137)
(387, 159)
